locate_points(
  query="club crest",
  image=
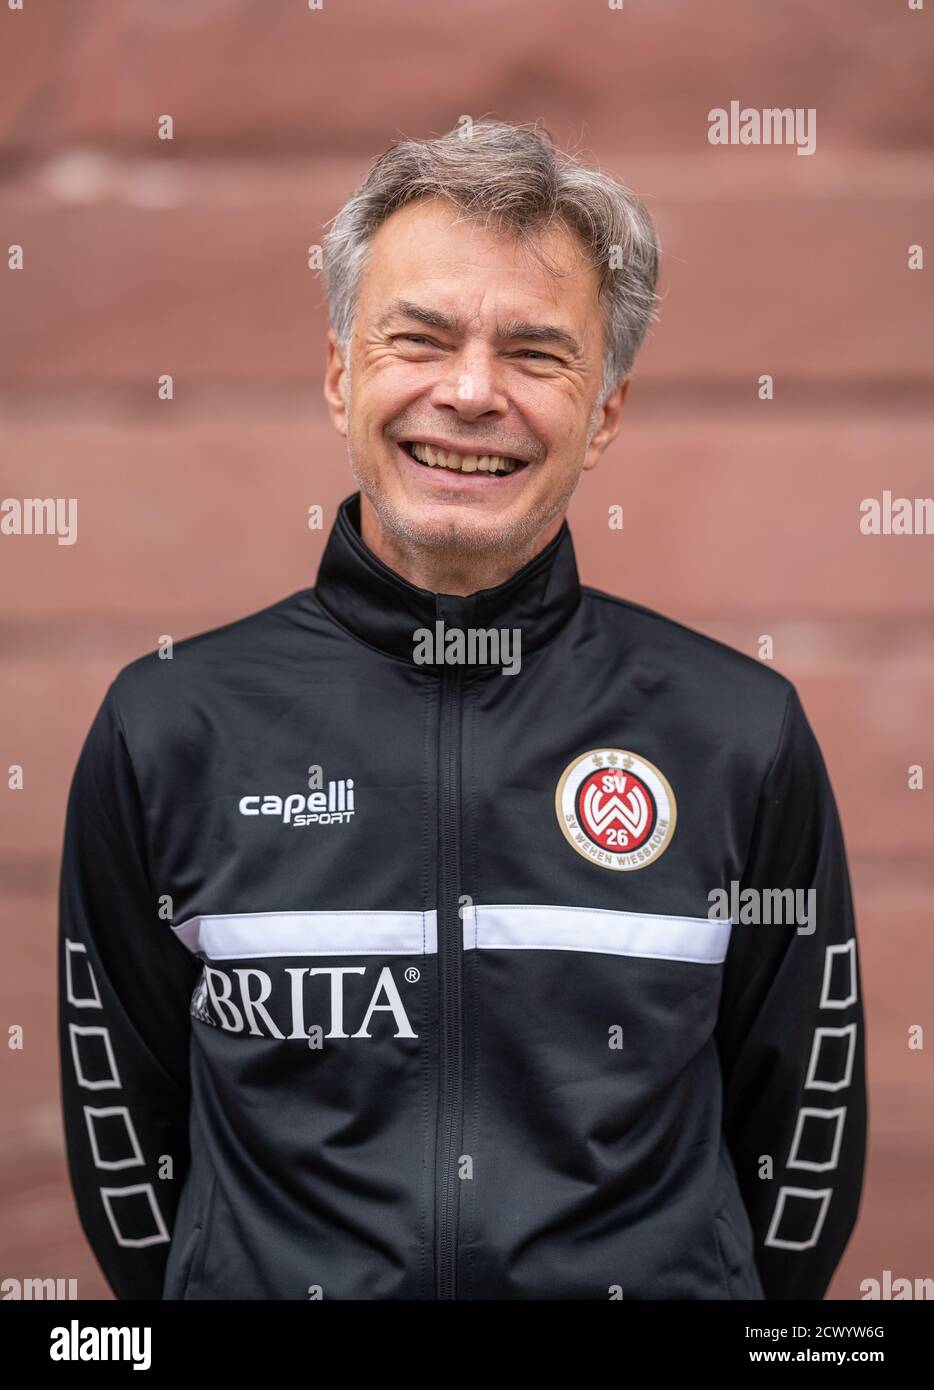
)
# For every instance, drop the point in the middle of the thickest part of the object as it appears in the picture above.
(616, 809)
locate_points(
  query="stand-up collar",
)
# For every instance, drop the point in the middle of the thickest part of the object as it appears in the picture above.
(378, 606)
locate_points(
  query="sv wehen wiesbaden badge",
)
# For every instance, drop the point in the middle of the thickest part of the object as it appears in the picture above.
(615, 808)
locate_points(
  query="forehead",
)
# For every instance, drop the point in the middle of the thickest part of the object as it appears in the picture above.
(429, 253)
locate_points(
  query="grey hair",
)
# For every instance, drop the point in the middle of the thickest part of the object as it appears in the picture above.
(509, 176)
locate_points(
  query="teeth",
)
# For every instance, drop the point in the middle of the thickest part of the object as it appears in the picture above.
(463, 463)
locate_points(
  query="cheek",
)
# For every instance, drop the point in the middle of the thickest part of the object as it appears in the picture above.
(386, 391)
(553, 411)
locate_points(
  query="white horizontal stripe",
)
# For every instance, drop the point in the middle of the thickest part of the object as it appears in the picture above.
(510, 927)
(228, 936)
(500, 927)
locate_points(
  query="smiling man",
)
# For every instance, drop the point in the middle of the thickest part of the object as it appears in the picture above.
(477, 370)
(488, 344)
(386, 976)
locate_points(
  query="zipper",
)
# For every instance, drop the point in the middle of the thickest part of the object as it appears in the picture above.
(450, 984)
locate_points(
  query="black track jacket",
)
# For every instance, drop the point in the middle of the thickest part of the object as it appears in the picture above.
(398, 976)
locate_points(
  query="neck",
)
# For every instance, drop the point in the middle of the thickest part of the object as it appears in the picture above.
(448, 571)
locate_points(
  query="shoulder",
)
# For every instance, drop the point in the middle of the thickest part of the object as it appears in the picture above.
(684, 648)
(705, 683)
(246, 653)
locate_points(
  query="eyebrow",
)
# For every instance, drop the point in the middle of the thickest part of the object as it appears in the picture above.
(513, 328)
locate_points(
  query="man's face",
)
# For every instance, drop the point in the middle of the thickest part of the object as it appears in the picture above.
(466, 344)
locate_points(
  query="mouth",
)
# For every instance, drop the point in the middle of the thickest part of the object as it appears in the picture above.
(481, 467)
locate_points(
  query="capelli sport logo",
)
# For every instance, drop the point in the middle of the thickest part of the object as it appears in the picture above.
(332, 807)
(615, 808)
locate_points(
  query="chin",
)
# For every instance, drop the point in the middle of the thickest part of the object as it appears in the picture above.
(474, 533)
(451, 525)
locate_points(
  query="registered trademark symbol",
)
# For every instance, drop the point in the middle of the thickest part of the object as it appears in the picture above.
(412, 974)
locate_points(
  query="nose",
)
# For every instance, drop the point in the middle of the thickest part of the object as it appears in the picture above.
(470, 383)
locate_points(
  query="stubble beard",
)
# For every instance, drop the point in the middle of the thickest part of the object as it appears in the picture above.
(448, 541)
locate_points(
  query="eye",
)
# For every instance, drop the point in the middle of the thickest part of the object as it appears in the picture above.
(417, 338)
(533, 352)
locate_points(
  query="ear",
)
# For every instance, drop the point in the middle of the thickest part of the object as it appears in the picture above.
(608, 421)
(335, 385)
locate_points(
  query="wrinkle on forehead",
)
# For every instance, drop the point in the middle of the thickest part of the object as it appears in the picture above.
(425, 245)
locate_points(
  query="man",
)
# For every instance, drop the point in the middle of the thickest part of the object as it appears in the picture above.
(450, 929)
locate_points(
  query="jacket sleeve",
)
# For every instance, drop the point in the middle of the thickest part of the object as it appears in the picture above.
(124, 987)
(791, 1031)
